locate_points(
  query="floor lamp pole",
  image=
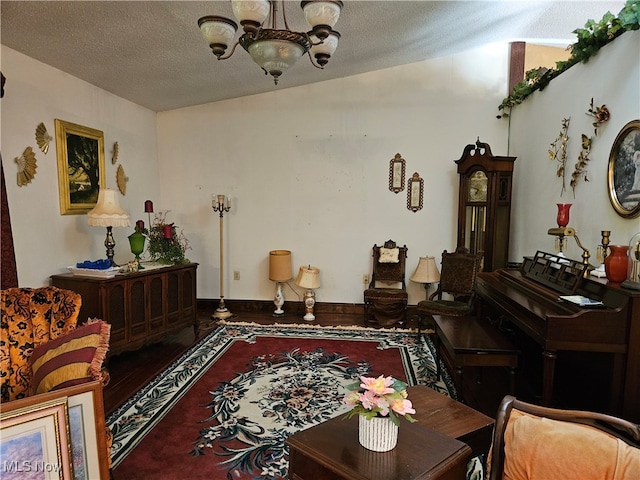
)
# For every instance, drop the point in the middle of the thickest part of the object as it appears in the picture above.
(220, 205)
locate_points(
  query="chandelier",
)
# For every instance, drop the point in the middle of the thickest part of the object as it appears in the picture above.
(274, 49)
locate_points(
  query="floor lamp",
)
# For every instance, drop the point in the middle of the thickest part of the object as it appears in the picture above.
(221, 204)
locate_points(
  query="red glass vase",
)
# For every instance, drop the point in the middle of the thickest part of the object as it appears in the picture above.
(617, 263)
(563, 214)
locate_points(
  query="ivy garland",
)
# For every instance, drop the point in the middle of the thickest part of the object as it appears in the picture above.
(591, 39)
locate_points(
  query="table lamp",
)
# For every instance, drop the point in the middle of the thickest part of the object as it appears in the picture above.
(426, 273)
(279, 272)
(309, 278)
(108, 213)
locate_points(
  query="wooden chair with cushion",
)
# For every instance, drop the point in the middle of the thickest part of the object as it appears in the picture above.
(385, 300)
(533, 442)
(457, 279)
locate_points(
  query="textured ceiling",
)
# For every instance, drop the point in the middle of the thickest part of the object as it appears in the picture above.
(152, 53)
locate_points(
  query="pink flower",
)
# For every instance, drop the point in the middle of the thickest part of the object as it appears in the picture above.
(371, 401)
(379, 386)
(402, 406)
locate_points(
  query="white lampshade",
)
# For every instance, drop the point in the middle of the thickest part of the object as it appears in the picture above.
(308, 277)
(254, 11)
(280, 265)
(321, 12)
(426, 271)
(217, 30)
(108, 212)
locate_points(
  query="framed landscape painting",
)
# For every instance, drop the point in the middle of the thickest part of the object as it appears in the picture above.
(81, 174)
(34, 440)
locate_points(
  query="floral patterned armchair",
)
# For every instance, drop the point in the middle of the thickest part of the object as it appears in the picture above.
(30, 317)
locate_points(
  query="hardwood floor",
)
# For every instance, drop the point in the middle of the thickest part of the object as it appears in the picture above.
(130, 371)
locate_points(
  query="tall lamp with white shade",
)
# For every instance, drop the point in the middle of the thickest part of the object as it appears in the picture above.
(426, 273)
(279, 272)
(309, 278)
(108, 213)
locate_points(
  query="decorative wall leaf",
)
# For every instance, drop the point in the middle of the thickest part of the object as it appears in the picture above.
(116, 150)
(122, 180)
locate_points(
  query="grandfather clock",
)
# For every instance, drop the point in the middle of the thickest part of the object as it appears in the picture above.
(484, 204)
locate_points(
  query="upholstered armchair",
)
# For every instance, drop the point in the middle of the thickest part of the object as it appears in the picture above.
(30, 317)
(42, 349)
(535, 442)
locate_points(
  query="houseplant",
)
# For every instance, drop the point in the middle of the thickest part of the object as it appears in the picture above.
(166, 244)
(379, 402)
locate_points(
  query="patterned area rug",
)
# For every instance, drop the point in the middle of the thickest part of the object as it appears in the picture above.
(224, 409)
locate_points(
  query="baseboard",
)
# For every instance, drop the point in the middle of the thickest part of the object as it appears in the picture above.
(293, 307)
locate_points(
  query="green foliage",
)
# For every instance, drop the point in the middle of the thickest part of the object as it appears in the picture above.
(591, 39)
(169, 251)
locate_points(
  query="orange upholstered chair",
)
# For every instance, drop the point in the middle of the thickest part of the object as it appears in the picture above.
(533, 442)
(30, 317)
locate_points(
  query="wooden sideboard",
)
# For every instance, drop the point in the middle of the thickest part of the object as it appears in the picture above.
(141, 307)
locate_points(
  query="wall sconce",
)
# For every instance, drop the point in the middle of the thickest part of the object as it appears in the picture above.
(426, 272)
(309, 278)
(108, 213)
(279, 272)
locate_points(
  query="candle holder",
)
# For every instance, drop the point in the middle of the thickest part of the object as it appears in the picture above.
(221, 205)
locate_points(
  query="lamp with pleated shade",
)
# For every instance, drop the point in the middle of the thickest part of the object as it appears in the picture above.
(108, 213)
(309, 278)
(426, 273)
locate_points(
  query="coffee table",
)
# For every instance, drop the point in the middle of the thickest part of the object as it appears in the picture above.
(430, 448)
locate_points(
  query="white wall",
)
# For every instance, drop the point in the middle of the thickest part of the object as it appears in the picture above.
(612, 78)
(45, 241)
(307, 169)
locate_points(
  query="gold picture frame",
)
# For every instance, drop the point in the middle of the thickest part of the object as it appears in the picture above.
(35, 438)
(81, 171)
(87, 432)
(623, 176)
(396, 173)
(415, 192)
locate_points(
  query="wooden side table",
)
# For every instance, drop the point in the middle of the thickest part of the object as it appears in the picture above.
(331, 451)
(454, 419)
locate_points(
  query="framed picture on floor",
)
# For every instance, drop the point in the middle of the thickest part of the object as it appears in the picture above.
(34, 439)
(87, 447)
(81, 171)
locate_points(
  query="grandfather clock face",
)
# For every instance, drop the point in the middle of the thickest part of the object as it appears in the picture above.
(478, 187)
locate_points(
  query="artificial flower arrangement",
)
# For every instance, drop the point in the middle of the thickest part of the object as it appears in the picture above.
(166, 244)
(379, 397)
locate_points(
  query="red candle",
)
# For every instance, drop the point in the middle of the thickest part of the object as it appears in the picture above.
(168, 231)
(140, 225)
(148, 206)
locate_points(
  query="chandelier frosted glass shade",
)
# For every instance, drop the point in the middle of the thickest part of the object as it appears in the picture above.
(323, 51)
(275, 50)
(321, 15)
(218, 32)
(250, 13)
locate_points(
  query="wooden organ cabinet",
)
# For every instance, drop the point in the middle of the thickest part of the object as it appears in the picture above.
(484, 204)
(141, 307)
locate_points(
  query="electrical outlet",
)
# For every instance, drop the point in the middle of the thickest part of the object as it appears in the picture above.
(236, 275)
(365, 279)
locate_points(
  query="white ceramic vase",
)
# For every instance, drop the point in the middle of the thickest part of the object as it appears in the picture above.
(379, 434)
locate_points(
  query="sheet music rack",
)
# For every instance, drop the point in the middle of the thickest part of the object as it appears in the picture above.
(554, 271)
